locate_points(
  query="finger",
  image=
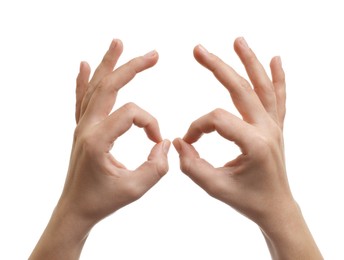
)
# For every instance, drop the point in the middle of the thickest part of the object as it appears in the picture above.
(81, 87)
(278, 79)
(243, 96)
(108, 62)
(105, 67)
(104, 96)
(122, 119)
(197, 169)
(257, 74)
(226, 124)
(151, 171)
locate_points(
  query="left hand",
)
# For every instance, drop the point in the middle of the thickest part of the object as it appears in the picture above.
(97, 184)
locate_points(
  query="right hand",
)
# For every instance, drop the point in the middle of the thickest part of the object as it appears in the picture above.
(255, 183)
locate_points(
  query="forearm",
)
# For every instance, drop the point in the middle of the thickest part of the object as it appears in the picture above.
(288, 237)
(63, 238)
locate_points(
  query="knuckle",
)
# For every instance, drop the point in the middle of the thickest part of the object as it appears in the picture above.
(212, 190)
(132, 191)
(103, 84)
(107, 61)
(218, 114)
(244, 84)
(162, 168)
(251, 58)
(265, 145)
(87, 140)
(153, 121)
(262, 145)
(158, 169)
(131, 108)
(185, 165)
(132, 65)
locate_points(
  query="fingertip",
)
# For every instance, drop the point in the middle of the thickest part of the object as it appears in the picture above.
(240, 42)
(177, 145)
(152, 57)
(166, 146)
(277, 69)
(185, 149)
(276, 61)
(200, 52)
(84, 68)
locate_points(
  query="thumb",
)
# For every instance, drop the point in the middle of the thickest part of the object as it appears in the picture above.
(156, 166)
(199, 170)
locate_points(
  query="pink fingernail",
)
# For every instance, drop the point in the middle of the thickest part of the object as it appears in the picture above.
(243, 42)
(166, 146)
(113, 44)
(150, 54)
(202, 49)
(279, 60)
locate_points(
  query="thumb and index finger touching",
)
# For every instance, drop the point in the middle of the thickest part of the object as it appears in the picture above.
(96, 98)
(264, 101)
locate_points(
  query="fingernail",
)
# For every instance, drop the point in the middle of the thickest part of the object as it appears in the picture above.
(177, 145)
(113, 44)
(150, 54)
(81, 65)
(166, 146)
(202, 49)
(243, 42)
(279, 60)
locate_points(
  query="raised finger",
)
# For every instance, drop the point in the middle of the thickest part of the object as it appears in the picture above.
(278, 79)
(104, 96)
(81, 87)
(108, 62)
(243, 96)
(257, 74)
(105, 67)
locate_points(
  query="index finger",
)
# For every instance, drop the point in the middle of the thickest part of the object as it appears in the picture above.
(121, 120)
(226, 124)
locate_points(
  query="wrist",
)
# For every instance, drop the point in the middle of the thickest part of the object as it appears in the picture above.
(64, 236)
(287, 235)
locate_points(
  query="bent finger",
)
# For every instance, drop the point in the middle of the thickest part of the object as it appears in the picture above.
(226, 124)
(122, 119)
(104, 96)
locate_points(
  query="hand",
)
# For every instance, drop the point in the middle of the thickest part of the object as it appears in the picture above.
(97, 184)
(255, 183)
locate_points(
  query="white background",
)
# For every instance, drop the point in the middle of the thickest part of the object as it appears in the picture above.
(42, 43)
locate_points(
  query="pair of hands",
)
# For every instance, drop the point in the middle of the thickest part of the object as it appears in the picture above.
(254, 183)
(98, 185)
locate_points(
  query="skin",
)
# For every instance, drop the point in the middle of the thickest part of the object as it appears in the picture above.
(255, 183)
(97, 185)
